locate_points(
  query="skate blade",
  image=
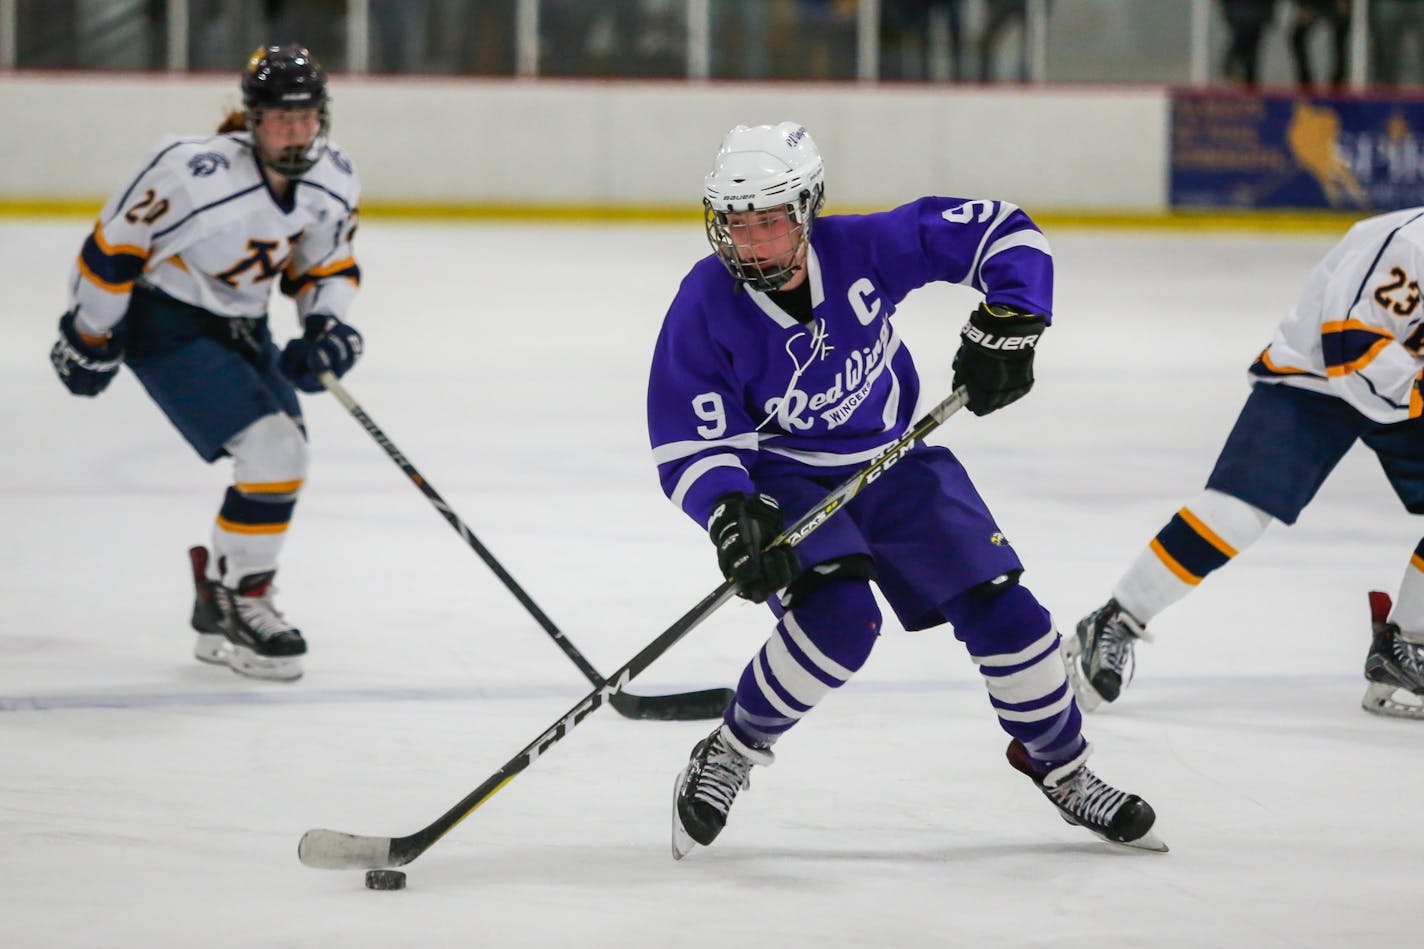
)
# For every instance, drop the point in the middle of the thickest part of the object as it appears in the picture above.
(682, 842)
(1380, 700)
(245, 662)
(1088, 697)
(212, 648)
(1148, 841)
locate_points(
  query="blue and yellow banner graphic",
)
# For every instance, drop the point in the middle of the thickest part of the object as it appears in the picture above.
(1248, 151)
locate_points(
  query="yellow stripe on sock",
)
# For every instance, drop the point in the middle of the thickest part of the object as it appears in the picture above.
(236, 528)
(1208, 535)
(269, 487)
(1170, 562)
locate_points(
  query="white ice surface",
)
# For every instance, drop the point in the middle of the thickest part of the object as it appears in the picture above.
(148, 801)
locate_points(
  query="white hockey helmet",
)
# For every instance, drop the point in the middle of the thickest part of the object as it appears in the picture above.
(759, 168)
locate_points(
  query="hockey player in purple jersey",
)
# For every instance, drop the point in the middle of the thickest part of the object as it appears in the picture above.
(778, 373)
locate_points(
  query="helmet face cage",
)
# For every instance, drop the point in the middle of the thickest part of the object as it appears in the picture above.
(286, 78)
(760, 201)
(752, 249)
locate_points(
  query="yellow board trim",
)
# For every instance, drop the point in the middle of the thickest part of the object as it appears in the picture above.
(1274, 222)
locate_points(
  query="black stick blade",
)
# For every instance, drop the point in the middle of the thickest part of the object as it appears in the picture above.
(681, 707)
(333, 850)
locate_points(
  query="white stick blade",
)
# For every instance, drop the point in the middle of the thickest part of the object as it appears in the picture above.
(333, 850)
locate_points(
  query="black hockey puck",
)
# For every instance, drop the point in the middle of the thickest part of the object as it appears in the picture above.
(385, 880)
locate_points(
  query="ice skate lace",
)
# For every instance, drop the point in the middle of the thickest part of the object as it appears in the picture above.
(1410, 659)
(722, 774)
(1088, 798)
(1112, 646)
(260, 614)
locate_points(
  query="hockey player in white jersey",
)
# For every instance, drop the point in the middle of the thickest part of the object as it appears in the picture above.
(1345, 365)
(174, 282)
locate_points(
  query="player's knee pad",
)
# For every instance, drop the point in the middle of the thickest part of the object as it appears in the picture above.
(816, 647)
(270, 457)
(1000, 620)
(1208, 532)
(833, 627)
(849, 567)
(1200, 538)
(269, 465)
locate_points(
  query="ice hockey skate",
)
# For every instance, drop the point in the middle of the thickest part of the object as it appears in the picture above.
(1099, 658)
(703, 793)
(1394, 666)
(260, 641)
(212, 645)
(1084, 799)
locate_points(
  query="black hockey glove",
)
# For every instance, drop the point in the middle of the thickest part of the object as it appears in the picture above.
(741, 525)
(328, 345)
(83, 367)
(995, 358)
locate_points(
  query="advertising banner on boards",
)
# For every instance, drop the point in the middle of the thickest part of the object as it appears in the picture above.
(1238, 150)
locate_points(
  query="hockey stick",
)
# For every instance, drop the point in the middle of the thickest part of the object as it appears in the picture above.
(333, 850)
(683, 706)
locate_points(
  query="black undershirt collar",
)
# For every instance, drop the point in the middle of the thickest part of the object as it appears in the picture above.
(795, 302)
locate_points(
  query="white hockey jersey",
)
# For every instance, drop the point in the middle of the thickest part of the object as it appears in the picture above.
(1357, 331)
(200, 223)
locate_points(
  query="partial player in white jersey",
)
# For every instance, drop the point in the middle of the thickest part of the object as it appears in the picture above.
(1345, 365)
(174, 282)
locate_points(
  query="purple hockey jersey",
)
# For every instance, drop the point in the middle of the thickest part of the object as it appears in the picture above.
(740, 389)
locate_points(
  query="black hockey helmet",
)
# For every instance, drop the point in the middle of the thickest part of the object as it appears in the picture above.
(283, 77)
(286, 77)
